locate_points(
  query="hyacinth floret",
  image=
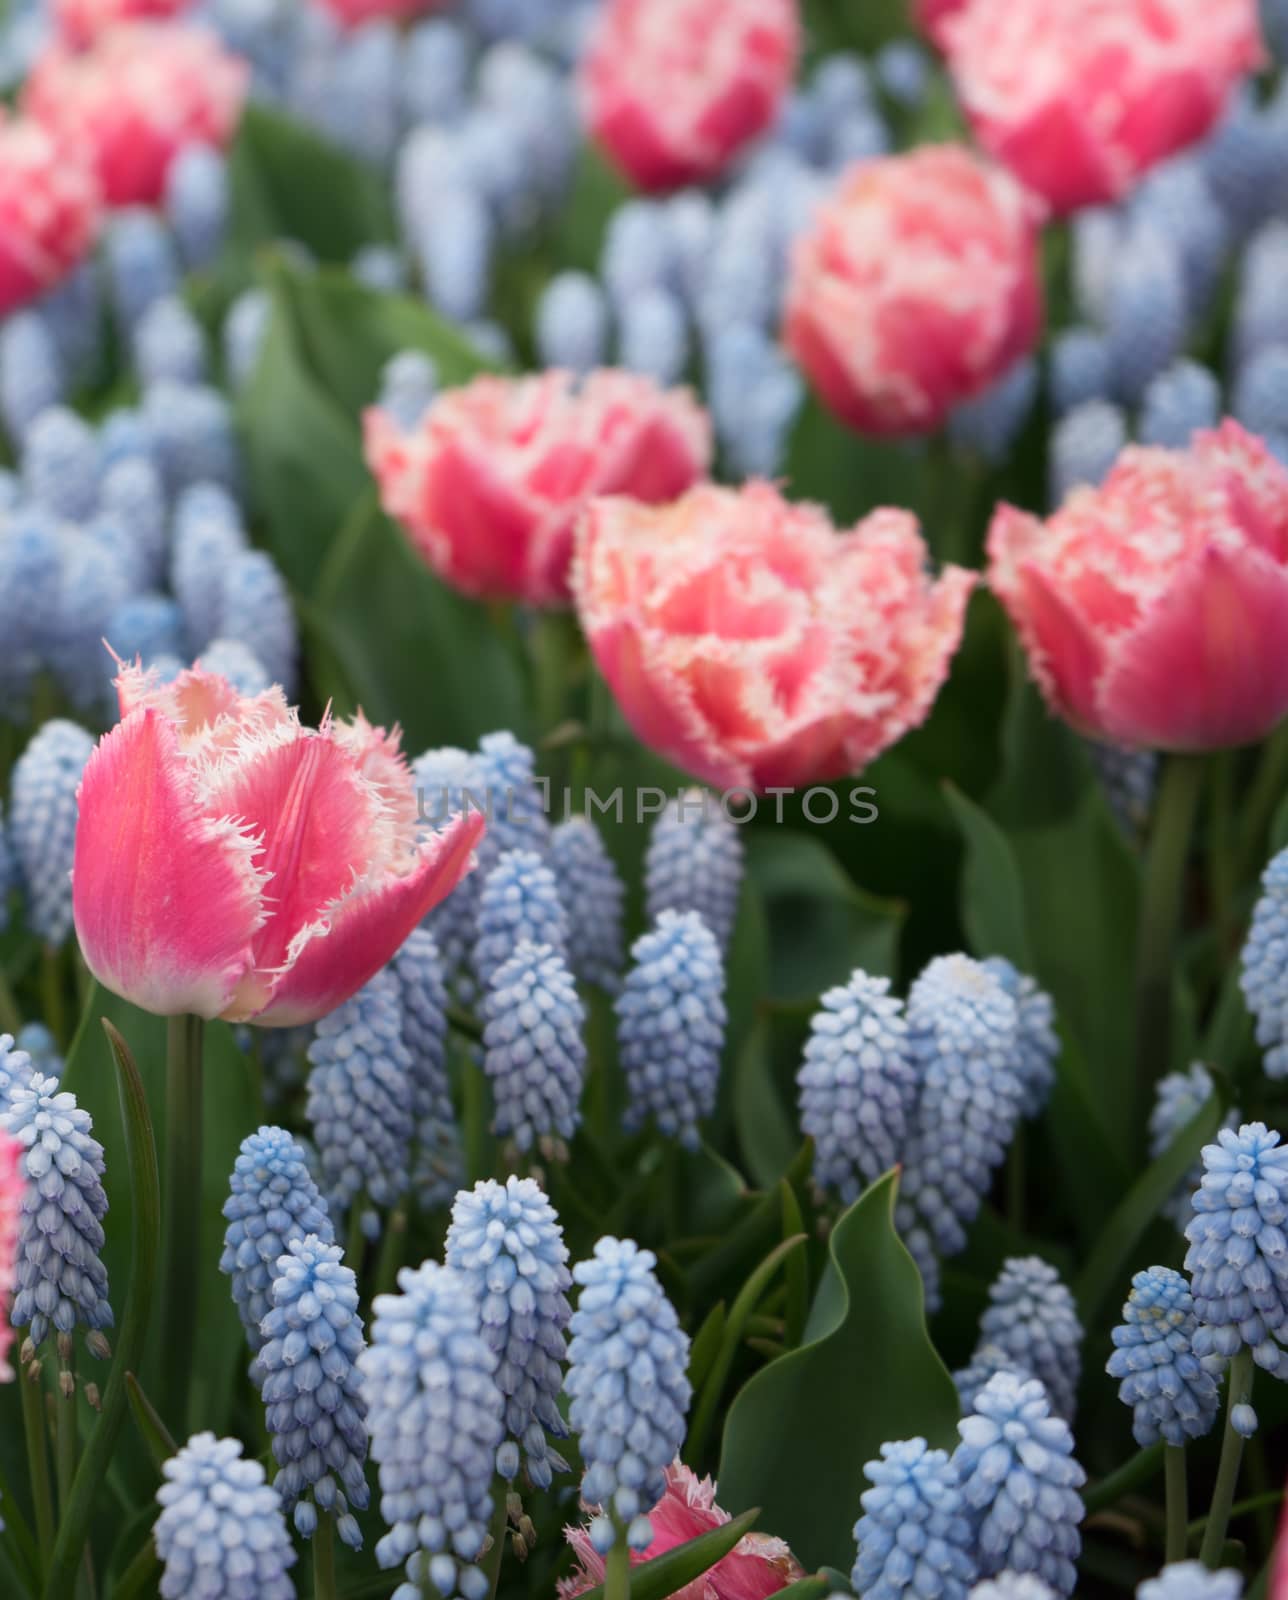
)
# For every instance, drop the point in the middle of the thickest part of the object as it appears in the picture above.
(915, 1535)
(506, 1242)
(308, 1376)
(534, 1050)
(272, 1202)
(857, 1085)
(1172, 1393)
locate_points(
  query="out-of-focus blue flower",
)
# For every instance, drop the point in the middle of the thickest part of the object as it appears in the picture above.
(1178, 1099)
(408, 384)
(903, 70)
(984, 1365)
(16, 1070)
(1128, 778)
(437, 1161)
(653, 336)
(1031, 1316)
(505, 787)
(1085, 443)
(455, 250)
(1177, 200)
(60, 464)
(592, 893)
(755, 394)
(221, 1530)
(572, 323)
(435, 71)
(168, 343)
(1020, 1481)
(1096, 238)
(42, 823)
(915, 1536)
(670, 1025)
(141, 263)
(690, 221)
(1191, 1580)
(1260, 306)
(197, 203)
(61, 1279)
(94, 577)
(272, 1202)
(1237, 1261)
(244, 332)
(1039, 1044)
(990, 424)
(1178, 402)
(131, 495)
(31, 371)
(446, 783)
(1260, 399)
(519, 901)
(237, 662)
(637, 253)
(506, 1242)
(208, 538)
(73, 313)
(308, 1376)
(436, 1417)
(1264, 978)
(1148, 318)
(356, 100)
(1172, 1393)
(694, 862)
(1012, 1586)
(1244, 162)
(857, 1085)
(1079, 368)
(36, 1039)
(534, 1052)
(380, 267)
(627, 1383)
(256, 610)
(125, 436)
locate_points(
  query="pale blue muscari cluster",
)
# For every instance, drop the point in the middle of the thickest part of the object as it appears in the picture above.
(36, 1039)
(1128, 778)
(519, 902)
(985, 1363)
(1012, 1586)
(1085, 443)
(1032, 1319)
(16, 1070)
(671, 1020)
(592, 893)
(534, 1052)
(857, 1085)
(1020, 1483)
(272, 1202)
(436, 1418)
(506, 1242)
(915, 1537)
(437, 1168)
(1038, 1044)
(42, 823)
(1264, 978)
(221, 1533)
(1180, 401)
(360, 1101)
(694, 862)
(1178, 1099)
(1191, 1580)
(308, 1376)
(408, 384)
(61, 1279)
(445, 786)
(1172, 1392)
(1236, 1260)
(505, 788)
(627, 1384)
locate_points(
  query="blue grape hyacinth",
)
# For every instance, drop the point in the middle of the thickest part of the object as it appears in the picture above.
(436, 1417)
(1172, 1392)
(42, 823)
(16, 1070)
(221, 1531)
(61, 1278)
(1191, 1580)
(915, 1536)
(1021, 1483)
(627, 1364)
(1032, 1317)
(1178, 1099)
(986, 1362)
(857, 1085)
(308, 1376)
(1264, 978)
(438, 1164)
(670, 1026)
(1038, 1043)
(534, 1051)
(694, 862)
(505, 785)
(1085, 443)
(1012, 1586)
(506, 1242)
(272, 1202)
(592, 893)
(519, 901)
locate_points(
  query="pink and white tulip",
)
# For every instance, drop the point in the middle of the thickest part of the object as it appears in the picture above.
(1154, 610)
(81, 21)
(231, 863)
(931, 16)
(49, 212)
(915, 288)
(128, 106)
(490, 482)
(757, 1566)
(673, 89)
(11, 1191)
(751, 645)
(1079, 98)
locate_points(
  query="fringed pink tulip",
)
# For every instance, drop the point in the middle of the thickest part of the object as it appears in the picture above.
(673, 89)
(490, 482)
(1154, 610)
(353, 13)
(49, 212)
(11, 1187)
(932, 16)
(231, 863)
(81, 21)
(915, 288)
(1080, 97)
(130, 105)
(751, 645)
(757, 1566)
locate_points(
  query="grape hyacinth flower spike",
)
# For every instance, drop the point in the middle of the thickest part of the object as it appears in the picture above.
(915, 1535)
(42, 823)
(1172, 1391)
(437, 1159)
(519, 901)
(592, 892)
(694, 863)
(534, 1051)
(1265, 967)
(1032, 1317)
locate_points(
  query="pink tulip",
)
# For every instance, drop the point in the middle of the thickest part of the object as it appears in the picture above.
(11, 1191)
(49, 212)
(932, 16)
(673, 89)
(353, 13)
(753, 647)
(232, 863)
(490, 482)
(1154, 609)
(81, 21)
(757, 1566)
(1080, 97)
(129, 106)
(915, 288)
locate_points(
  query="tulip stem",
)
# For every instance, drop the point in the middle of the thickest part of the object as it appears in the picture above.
(1160, 915)
(1238, 1392)
(1177, 1501)
(181, 1218)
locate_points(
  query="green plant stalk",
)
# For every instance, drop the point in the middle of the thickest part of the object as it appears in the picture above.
(52, 999)
(324, 1559)
(617, 1573)
(1160, 914)
(1239, 1391)
(66, 1442)
(356, 1245)
(12, 1581)
(33, 1425)
(1258, 809)
(1177, 1501)
(392, 1247)
(491, 1561)
(1134, 1474)
(181, 1217)
(10, 1015)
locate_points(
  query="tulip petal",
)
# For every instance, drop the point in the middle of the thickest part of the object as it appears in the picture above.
(335, 955)
(1206, 667)
(167, 901)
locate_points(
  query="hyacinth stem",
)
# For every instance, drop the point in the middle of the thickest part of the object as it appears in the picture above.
(1177, 1501)
(490, 1562)
(1239, 1392)
(1160, 915)
(52, 1000)
(617, 1576)
(33, 1424)
(392, 1247)
(356, 1242)
(324, 1559)
(181, 1218)
(66, 1443)
(10, 1016)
